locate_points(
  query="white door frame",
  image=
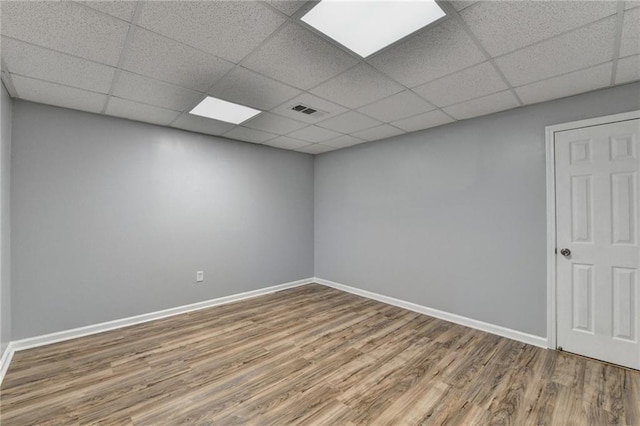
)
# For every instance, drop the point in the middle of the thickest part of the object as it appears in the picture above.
(552, 339)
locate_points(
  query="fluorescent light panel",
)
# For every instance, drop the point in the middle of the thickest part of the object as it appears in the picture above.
(366, 26)
(218, 109)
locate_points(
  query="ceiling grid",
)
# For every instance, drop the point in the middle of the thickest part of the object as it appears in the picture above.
(617, 41)
(125, 47)
(483, 57)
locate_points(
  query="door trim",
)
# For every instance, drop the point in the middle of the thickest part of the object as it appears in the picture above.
(552, 340)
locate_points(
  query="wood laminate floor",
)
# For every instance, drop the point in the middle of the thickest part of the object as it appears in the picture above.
(310, 355)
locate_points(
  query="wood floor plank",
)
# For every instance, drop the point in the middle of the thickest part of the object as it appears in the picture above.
(310, 355)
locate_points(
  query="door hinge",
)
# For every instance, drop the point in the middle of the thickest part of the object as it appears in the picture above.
(556, 250)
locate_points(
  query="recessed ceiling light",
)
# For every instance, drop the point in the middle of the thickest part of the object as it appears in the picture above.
(366, 26)
(224, 111)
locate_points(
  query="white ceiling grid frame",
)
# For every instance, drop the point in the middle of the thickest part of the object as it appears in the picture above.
(211, 88)
(504, 26)
(132, 110)
(357, 86)
(227, 29)
(66, 96)
(246, 87)
(435, 117)
(250, 135)
(127, 43)
(162, 58)
(294, 19)
(7, 81)
(343, 141)
(396, 107)
(584, 47)
(37, 62)
(97, 38)
(478, 80)
(568, 84)
(454, 14)
(628, 69)
(630, 39)
(618, 39)
(285, 142)
(146, 90)
(120, 9)
(349, 122)
(316, 148)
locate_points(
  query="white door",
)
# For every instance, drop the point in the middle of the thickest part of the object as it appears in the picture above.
(598, 258)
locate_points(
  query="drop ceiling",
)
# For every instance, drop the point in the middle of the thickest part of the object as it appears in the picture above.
(154, 61)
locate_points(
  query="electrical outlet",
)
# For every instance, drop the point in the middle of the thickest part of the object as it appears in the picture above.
(199, 276)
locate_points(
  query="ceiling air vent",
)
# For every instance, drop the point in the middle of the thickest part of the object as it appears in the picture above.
(304, 109)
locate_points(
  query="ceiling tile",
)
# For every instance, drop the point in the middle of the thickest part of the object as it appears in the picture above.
(423, 121)
(33, 61)
(140, 112)
(503, 26)
(199, 124)
(67, 27)
(249, 135)
(566, 85)
(299, 58)
(164, 59)
(315, 149)
(396, 107)
(461, 4)
(483, 106)
(343, 141)
(246, 87)
(435, 52)
(121, 9)
(630, 41)
(314, 134)
(274, 123)
(228, 29)
(285, 142)
(479, 80)
(379, 132)
(144, 89)
(358, 86)
(578, 49)
(287, 6)
(630, 4)
(628, 69)
(349, 122)
(54, 94)
(329, 108)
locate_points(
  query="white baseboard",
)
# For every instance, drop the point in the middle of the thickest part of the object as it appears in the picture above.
(6, 360)
(61, 336)
(458, 319)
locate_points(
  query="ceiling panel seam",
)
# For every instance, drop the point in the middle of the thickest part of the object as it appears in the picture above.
(617, 41)
(295, 19)
(86, 6)
(235, 66)
(552, 37)
(7, 80)
(454, 13)
(127, 43)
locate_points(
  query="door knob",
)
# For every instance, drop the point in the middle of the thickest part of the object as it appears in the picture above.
(565, 252)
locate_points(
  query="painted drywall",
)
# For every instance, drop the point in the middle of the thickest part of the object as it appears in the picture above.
(451, 218)
(112, 218)
(6, 106)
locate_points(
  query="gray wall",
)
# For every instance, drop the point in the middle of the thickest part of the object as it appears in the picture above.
(452, 218)
(112, 218)
(5, 248)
